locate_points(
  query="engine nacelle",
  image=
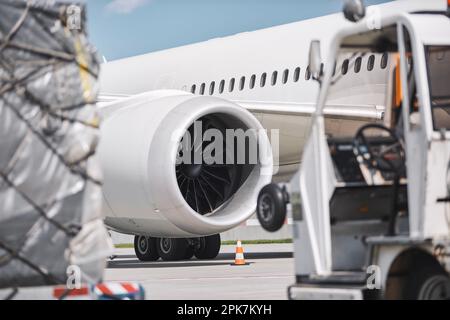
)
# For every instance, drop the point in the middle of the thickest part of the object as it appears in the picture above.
(147, 190)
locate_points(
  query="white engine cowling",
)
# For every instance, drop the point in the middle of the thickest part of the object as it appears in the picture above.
(144, 188)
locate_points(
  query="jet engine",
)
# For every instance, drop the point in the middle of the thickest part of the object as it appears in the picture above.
(149, 189)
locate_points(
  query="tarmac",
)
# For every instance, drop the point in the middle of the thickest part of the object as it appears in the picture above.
(268, 273)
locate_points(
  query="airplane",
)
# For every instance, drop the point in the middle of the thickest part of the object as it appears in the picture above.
(252, 80)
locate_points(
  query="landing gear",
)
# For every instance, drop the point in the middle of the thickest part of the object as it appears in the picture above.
(145, 248)
(174, 249)
(189, 252)
(208, 247)
(271, 207)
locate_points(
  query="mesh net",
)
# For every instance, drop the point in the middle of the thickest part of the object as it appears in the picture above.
(50, 182)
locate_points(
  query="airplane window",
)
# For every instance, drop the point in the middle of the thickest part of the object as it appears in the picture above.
(202, 88)
(221, 86)
(274, 78)
(193, 88)
(307, 74)
(252, 81)
(334, 68)
(384, 60)
(211, 88)
(358, 63)
(231, 86)
(296, 74)
(344, 68)
(285, 76)
(263, 79)
(371, 63)
(242, 83)
(321, 69)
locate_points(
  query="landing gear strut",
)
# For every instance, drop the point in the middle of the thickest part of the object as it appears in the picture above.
(173, 249)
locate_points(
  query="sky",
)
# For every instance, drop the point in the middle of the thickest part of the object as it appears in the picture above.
(123, 28)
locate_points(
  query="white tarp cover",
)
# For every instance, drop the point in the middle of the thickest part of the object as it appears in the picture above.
(50, 183)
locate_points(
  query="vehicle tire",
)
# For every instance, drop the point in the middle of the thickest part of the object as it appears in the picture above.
(428, 284)
(189, 253)
(208, 248)
(172, 249)
(271, 207)
(145, 248)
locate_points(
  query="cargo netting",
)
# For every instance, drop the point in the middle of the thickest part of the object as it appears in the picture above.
(51, 222)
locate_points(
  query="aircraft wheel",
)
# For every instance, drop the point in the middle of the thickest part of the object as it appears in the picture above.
(189, 252)
(208, 247)
(172, 249)
(271, 207)
(145, 248)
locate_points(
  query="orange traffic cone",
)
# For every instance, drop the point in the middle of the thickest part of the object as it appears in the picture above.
(239, 259)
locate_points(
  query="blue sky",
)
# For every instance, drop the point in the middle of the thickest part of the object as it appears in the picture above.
(122, 28)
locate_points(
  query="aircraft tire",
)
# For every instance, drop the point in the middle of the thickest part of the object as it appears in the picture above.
(172, 249)
(145, 248)
(271, 207)
(209, 247)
